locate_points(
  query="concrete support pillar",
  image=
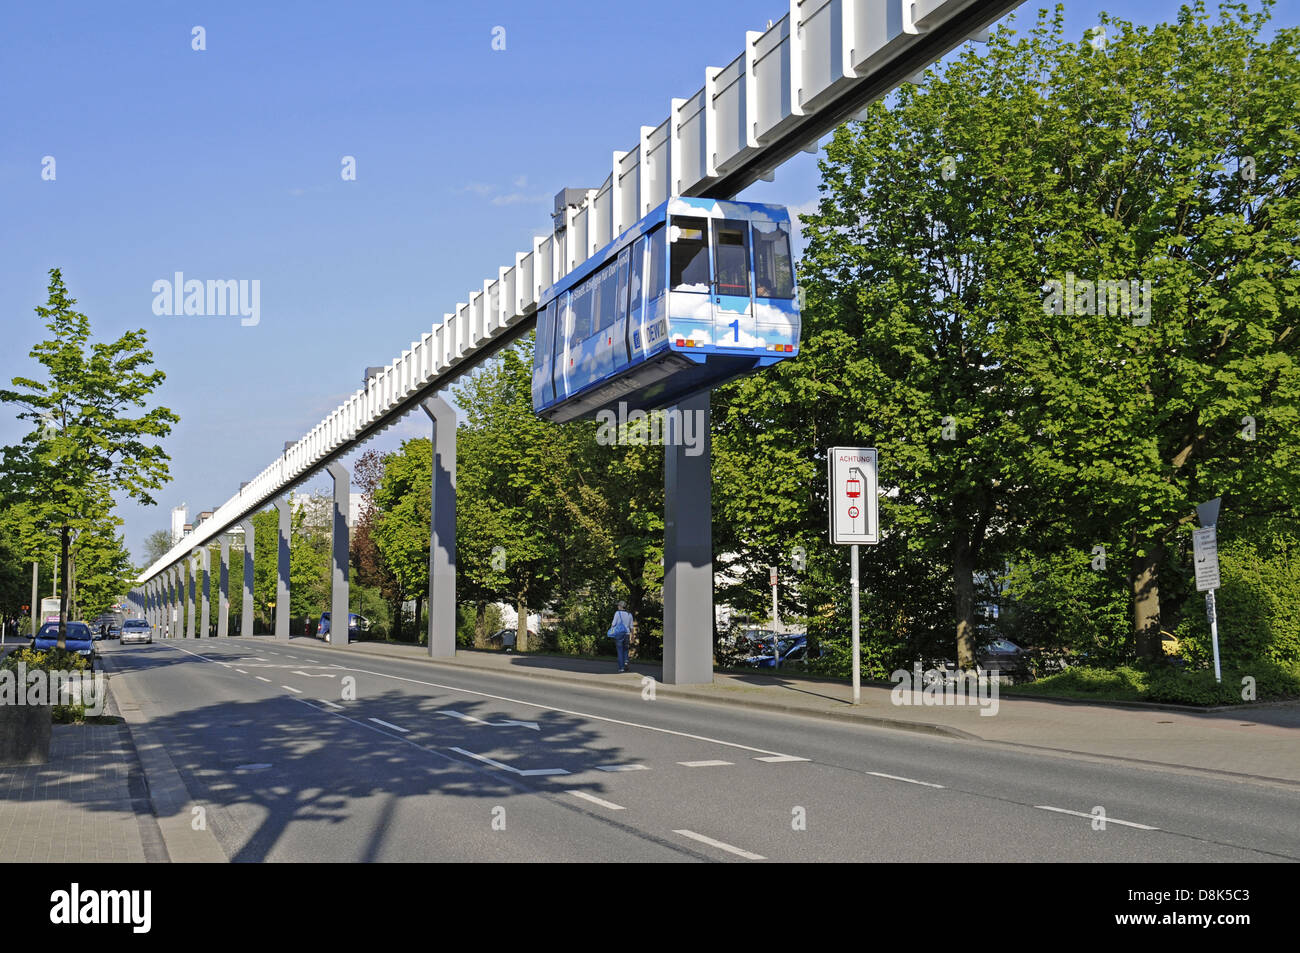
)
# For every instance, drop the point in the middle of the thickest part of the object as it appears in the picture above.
(282, 570)
(223, 590)
(246, 613)
(688, 554)
(205, 590)
(191, 601)
(442, 531)
(173, 602)
(339, 562)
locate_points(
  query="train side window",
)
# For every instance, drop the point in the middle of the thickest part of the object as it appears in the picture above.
(581, 303)
(563, 329)
(624, 258)
(655, 267)
(608, 304)
(731, 257)
(773, 268)
(636, 280)
(690, 255)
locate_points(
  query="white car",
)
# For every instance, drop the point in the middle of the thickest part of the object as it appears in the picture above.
(137, 630)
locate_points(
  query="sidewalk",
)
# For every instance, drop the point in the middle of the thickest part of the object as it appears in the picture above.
(1253, 741)
(87, 804)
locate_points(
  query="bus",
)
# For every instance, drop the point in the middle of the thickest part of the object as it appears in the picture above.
(696, 293)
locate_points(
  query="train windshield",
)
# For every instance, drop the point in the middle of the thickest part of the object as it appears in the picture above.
(690, 255)
(773, 269)
(731, 258)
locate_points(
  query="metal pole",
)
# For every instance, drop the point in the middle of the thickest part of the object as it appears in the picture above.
(36, 596)
(1214, 631)
(857, 656)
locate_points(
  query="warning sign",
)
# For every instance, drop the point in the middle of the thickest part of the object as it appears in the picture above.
(853, 496)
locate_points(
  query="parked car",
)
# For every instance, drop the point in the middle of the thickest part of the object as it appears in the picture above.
(506, 637)
(135, 631)
(78, 638)
(792, 647)
(115, 630)
(356, 625)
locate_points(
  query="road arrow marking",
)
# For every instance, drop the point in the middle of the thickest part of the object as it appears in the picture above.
(489, 724)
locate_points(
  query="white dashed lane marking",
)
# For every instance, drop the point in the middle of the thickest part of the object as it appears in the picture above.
(1097, 817)
(600, 801)
(705, 764)
(533, 773)
(388, 725)
(894, 777)
(296, 691)
(621, 767)
(261, 679)
(720, 845)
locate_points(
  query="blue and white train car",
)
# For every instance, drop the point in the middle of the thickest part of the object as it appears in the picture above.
(696, 293)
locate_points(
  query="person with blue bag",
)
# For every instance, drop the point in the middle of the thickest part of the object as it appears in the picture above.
(621, 632)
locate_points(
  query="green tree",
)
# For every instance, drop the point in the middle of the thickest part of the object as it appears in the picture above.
(401, 531)
(85, 442)
(156, 545)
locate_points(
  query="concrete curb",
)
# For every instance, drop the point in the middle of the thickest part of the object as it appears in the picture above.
(171, 800)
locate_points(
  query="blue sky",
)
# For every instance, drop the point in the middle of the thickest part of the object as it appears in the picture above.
(225, 163)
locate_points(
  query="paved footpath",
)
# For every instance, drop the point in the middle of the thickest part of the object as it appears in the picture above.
(87, 804)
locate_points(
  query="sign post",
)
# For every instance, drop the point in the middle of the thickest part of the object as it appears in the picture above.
(855, 521)
(1206, 557)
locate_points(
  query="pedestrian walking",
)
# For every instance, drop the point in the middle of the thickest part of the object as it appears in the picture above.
(621, 631)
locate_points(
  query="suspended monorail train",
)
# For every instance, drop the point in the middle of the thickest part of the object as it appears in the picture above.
(696, 293)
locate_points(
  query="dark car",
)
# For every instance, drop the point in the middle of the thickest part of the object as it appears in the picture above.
(356, 625)
(793, 648)
(1001, 656)
(78, 638)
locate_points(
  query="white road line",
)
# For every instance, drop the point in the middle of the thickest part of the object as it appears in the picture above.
(720, 845)
(894, 777)
(1096, 817)
(705, 764)
(780, 759)
(296, 691)
(261, 679)
(533, 773)
(774, 755)
(241, 671)
(387, 725)
(294, 657)
(326, 701)
(621, 767)
(306, 675)
(595, 800)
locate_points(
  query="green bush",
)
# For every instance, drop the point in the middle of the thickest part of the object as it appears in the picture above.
(1273, 681)
(52, 660)
(1258, 607)
(1060, 602)
(1123, 682)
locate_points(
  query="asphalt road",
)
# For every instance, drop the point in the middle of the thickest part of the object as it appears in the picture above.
(300, 754)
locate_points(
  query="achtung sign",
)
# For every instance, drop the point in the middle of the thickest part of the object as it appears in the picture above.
(853, 496)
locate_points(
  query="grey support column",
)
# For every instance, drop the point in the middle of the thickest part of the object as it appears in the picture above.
(442, 531)
(205, 591)
(282, 571)
(223, 590)
(247, 613)
(688, 552)
(173, 602)
(339, 616)
(190, 602)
